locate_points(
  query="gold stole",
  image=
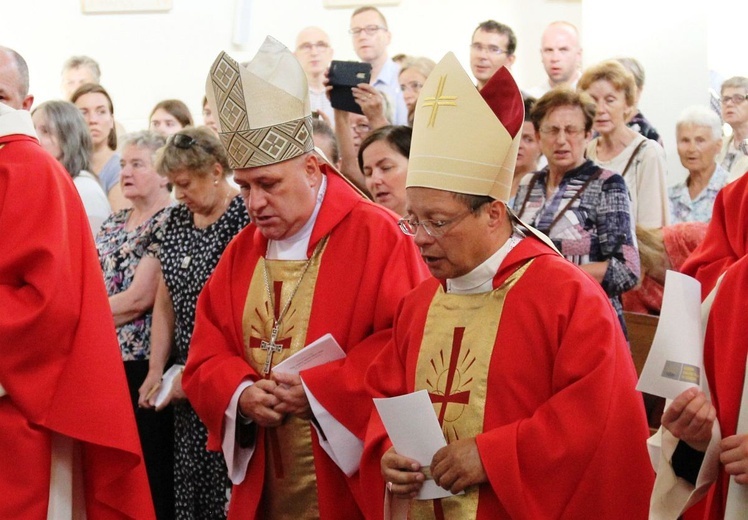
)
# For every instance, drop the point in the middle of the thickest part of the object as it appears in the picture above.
(290, 489)
(453, 365)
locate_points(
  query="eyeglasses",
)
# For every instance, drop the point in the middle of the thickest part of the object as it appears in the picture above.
(735, 98)
(414, 86)
(554, 131)
(490, 49)
(308, 46)
(369, 29)
(361, 128)
(183, 141)
(434, 228)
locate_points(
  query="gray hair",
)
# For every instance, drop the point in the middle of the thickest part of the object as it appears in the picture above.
(635, 68)
(699, 115)
(735, 82)
(22, 68)
(75, 62)
(71, 133)
(145, 139)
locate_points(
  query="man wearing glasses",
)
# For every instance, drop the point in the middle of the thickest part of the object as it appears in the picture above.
(317, 258)
(370, 40)
(734, 154)
(314, 52)
(492, 47)
(526, 367)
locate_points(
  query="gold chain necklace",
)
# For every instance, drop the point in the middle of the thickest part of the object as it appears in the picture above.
(271, 347)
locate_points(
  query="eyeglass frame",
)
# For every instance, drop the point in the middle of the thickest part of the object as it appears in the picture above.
(555, 131)
(309, 46)
(370, 30)
(490, 49)
(735, 98)
(434, 232)
(361, 128)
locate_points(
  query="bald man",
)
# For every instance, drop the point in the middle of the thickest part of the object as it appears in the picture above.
(562, 57)
(14, 80)
(314, 52)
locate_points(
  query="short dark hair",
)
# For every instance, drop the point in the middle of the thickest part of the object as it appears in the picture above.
(319, 127)
(473, 202)
(398, 137)
(529, 102)
(365, 8)
(175, 108)
(496, 27)
(94, 88)
(563, 97)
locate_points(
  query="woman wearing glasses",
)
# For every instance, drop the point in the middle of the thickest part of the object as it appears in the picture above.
(210, 213)
(583, 208)
(412, 77)
(618, 148)
(734, 154)
(128, 246)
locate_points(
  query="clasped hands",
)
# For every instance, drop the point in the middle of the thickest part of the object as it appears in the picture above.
(268, 401)
(690, 418)
(454, 468)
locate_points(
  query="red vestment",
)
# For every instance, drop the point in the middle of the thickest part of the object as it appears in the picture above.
(726, 239)
(564, 430)
(367, 267)
(60, 362)
(725, 347)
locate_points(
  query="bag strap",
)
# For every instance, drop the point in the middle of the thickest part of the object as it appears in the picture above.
(578, 194)
(633, 156)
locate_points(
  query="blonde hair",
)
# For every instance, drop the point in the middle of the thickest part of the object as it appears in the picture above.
(613, 72)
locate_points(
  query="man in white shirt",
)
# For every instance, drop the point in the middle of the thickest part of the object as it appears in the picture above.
(562, 57)
(314, 52)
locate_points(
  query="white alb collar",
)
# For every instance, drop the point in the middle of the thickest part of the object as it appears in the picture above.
(480, 279)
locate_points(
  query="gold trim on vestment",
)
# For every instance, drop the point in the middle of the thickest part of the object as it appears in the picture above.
(453, 365)
(290, 489)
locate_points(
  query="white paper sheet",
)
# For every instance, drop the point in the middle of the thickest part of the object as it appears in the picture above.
(318, 352)
(415, 433)
(166, 383)
(675, 362)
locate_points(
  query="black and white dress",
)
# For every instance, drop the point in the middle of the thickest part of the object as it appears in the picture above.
(188, 257)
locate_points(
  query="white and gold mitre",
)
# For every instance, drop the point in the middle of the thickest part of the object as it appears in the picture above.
(262, 108)
(466, 141)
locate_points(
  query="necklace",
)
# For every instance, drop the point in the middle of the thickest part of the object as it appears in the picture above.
(271, 347)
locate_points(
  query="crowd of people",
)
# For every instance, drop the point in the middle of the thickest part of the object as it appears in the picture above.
(459, 235)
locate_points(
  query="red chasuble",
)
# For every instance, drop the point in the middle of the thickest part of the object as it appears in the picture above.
(367, 266)
(562, 431)
(726, 239)
(60, 363)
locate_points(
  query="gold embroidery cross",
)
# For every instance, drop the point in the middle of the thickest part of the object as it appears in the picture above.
(439, 101)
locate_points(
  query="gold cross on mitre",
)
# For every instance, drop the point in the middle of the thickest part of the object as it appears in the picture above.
(439, 100)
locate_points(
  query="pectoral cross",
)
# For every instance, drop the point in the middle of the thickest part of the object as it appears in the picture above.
(271, 347)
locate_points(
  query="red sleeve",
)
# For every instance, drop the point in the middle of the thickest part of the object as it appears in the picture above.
(60, 362)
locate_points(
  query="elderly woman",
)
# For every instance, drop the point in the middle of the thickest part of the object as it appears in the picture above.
(618, 148)
(197, 231)
(583, 208)
(169, 117)
(128, 245)
(412, 77)
(96, 106)
(63, 133)
(734, 153)
(698, 134)
(383, 157)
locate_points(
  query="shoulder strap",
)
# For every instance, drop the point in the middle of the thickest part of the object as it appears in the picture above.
(633, 156)
(530, 187)
(571, 200)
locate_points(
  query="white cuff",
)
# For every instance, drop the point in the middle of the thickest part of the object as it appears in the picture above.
(343, 447)
(237, 458)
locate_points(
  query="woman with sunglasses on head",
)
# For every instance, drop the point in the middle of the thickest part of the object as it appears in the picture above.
(96, 106)
(128, 245)
(583, 208)
(210, 213)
